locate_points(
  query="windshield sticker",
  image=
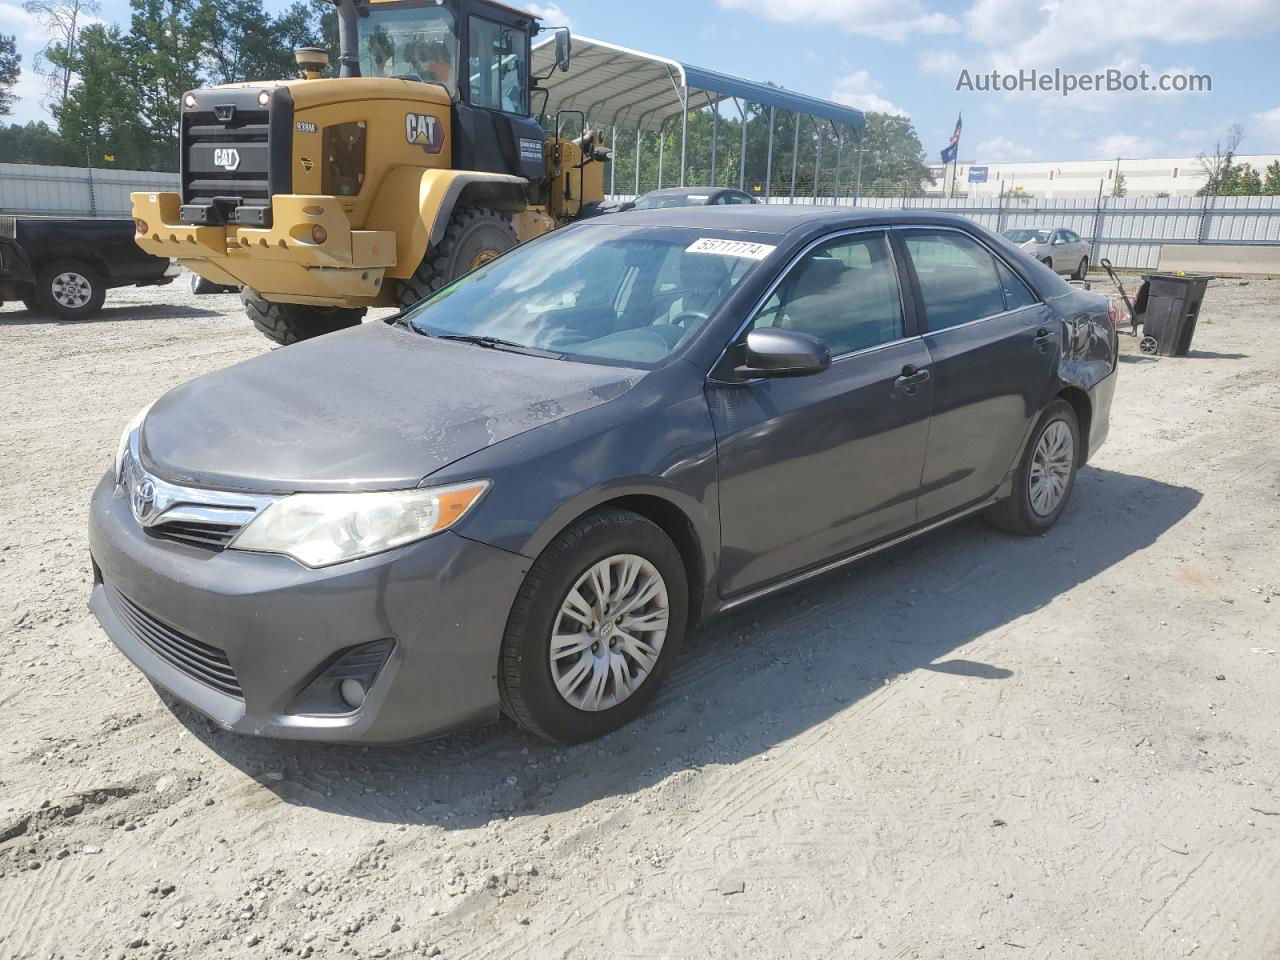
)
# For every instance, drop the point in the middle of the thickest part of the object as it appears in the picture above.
(731, 248)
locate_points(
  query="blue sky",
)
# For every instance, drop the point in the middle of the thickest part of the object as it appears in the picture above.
(906, 56)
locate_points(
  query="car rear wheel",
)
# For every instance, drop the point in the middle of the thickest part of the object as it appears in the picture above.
(1046, 474)
(594, 629)
(1082, 270)
(70, 290)
(287, 323)
(32, 306)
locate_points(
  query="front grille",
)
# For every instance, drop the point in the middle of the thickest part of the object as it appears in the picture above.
(235, 155)
(196, 533)
(8, 228)
(200, 661)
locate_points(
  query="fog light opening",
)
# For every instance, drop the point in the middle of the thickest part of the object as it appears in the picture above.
(352, 692)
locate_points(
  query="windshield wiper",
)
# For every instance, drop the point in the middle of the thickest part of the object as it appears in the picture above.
(497, 343)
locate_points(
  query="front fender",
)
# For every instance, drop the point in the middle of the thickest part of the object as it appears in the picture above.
(416, 203)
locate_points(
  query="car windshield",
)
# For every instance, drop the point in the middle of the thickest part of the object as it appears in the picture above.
(614, 294)
(1022, 236)
(663, 200)
(418, 41)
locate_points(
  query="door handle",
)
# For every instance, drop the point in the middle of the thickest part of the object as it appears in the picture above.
(1043, 338)
(911, 378)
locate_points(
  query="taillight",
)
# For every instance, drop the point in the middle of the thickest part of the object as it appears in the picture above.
(319, 234)
(141, 226)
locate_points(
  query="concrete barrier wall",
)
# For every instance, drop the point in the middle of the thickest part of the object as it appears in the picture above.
(1222, 259)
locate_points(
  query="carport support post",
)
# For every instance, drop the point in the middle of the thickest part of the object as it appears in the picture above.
(742, 148)
(795, 153)
(637, 161)
(684, 131)
(613, 167)
(817, 163)
(715, 135)
(662, 147)
(857, 189)
(835, 191)
(768, 163)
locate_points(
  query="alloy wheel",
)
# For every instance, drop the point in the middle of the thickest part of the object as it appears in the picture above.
(609, 632)
(1051, 466)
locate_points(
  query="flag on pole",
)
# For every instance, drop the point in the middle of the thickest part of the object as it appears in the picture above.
(949, 154)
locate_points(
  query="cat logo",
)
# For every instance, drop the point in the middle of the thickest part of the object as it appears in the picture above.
(228, 158)
(425, 131)
(306, 163)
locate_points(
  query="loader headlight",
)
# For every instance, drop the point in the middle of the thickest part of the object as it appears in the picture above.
(319, 529)
(122, 447)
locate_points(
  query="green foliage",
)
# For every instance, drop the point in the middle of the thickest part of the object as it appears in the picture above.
(1120, 189)
(1250, 184)
(1271, 185)
(36, 143)
(10, 60)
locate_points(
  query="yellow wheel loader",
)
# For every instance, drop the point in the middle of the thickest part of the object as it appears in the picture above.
(320, 197)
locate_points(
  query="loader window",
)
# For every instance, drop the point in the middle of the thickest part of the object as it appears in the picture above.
(416, 42)
(498, 67)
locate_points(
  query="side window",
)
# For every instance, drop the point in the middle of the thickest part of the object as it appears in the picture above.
(497, 67)
(1016, 293)
(738, 198)
(957, 278)
(1072, 236)
(845, 293)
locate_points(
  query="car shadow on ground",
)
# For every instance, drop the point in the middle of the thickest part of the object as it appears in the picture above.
(747, 682)
(111, 314)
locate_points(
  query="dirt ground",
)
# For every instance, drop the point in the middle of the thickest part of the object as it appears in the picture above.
(1061, 747)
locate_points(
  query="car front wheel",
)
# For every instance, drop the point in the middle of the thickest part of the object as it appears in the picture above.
(1046, 474)
(594, 629)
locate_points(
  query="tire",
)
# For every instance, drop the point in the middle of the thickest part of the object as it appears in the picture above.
(32, 306)
(1019, 514)
(1048, 262)
(201, 286)
(287, 323)
(1082, 270)
(528, 690)
(475, 236)
(69, 290)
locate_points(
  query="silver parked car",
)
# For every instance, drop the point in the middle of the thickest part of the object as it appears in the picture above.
(1061, 249)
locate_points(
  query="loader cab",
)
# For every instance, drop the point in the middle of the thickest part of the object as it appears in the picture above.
(479, 51)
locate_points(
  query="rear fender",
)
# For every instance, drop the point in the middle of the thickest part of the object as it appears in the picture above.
(421, 225)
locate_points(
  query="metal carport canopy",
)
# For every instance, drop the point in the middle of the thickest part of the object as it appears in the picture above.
(629, 88)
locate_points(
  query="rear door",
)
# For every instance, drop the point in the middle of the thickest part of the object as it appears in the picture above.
(993, 349)
(814, 467)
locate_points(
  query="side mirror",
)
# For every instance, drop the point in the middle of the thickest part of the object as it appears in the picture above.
(563, 50)
(771, 352)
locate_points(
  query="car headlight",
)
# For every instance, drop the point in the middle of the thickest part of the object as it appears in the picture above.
(123, 446)
(319, 529)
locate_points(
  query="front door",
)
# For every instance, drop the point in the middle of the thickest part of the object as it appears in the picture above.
(815, 467)
(993, 349)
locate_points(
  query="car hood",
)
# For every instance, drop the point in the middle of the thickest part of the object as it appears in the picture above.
(371, 408)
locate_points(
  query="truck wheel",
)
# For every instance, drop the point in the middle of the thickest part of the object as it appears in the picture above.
(32, 306)
(287, 323)
(475, 236)
(70, 290)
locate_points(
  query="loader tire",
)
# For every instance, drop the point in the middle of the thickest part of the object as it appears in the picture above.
(287, 323)
(475, 236)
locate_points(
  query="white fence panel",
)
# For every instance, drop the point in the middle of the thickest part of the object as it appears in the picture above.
(74, 191)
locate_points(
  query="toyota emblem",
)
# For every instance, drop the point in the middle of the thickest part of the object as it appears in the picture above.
(143, 499)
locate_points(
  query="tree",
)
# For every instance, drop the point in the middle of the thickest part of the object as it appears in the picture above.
(36, 143)
(165, 48)
(64, 20)
(243, 42)
(10, 60)
(1250, 184)
(1218, 167)
(1271, 185)
(1120, 189)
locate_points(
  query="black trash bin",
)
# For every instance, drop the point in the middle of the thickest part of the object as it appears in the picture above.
(1172, 302)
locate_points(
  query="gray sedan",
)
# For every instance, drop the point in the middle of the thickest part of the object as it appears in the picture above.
(521, 493)
(1062, 250)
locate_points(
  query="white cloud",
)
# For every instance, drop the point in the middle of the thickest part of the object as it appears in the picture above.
(1126, 145)
(1000, 148)
(1266, 127)
(941, 63)
(885, 19)
(28, 29)
(859, 89)
(551, 14)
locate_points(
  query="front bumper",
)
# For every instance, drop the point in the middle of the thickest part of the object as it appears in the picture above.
(443, 600)
(278, 262)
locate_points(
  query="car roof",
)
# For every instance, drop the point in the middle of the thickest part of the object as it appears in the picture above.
(780, 219)
(689, 191)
